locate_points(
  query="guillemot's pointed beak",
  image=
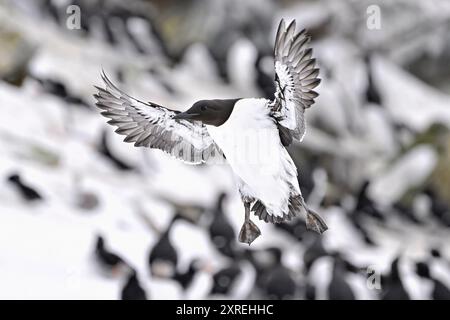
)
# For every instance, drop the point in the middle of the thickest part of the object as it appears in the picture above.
(185, 116)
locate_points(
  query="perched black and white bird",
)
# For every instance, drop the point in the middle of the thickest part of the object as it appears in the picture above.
(224, 279)
(221, 232)
(334, 277)
(186, 277)
(27, 192)
(163, 258)
(250, 133)
(392, 284)
(280, 283)
(104, 149)
(313, 252)
(132, 289)
(439, 290)
(264, 261)
(366, 205)
(58, 89)
(372, 93)
(339, 288)
(109, 262)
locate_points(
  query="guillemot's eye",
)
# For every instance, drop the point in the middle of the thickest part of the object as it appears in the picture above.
(203, 108)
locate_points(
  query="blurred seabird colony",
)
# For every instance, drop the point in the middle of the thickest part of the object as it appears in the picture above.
(83, 215)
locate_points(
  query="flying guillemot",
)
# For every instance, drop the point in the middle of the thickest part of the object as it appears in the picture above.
(251, 134)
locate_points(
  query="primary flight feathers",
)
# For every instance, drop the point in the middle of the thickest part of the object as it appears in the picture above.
(295, 79)
(151, 125)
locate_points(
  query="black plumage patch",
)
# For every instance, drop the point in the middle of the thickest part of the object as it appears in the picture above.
(285, 135)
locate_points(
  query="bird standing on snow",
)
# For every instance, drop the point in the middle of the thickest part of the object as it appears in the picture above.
(163, 258)
(251, 133)
(27, 192)
(440, 290)
(280, 283)
(339, 288)
(110, 263)
(392, 284)
(133, 289)
(225, 279)
(221, 232)
(186, 277)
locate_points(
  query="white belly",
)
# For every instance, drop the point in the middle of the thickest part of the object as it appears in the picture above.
(251, 144)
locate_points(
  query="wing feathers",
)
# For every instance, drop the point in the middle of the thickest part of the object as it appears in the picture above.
(296, 77)
(151, 125)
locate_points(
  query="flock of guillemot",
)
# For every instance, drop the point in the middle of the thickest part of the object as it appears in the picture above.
(316, 253)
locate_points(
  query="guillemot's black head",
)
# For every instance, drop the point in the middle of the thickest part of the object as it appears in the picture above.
(423, 270)
(211, 112)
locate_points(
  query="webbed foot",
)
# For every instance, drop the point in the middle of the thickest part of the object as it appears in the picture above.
(315, 222)
(249, 232)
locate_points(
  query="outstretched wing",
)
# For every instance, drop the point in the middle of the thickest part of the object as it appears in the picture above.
(151, 125)
(295, 79)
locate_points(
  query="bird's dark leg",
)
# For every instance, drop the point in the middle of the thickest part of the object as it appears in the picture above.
(249, 231)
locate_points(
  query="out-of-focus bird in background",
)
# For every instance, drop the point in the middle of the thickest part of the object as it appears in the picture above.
(110, 263)
(163, 257)
(132, 289)
(392, 284)
(280, 283)
(224, 280)
(221, 232)
(27, 192)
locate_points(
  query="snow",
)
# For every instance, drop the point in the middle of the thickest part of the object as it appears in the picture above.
(408, 172)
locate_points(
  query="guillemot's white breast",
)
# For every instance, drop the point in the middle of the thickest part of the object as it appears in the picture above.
(251, 144)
